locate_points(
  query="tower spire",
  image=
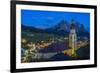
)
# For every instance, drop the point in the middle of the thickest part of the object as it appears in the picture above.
(72, 38)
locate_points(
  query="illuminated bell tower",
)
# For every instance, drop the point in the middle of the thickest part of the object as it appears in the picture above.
(72, 39)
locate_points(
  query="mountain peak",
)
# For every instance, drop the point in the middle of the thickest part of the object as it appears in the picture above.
(62, 26)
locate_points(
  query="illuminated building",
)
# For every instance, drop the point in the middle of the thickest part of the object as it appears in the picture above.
(72, 38)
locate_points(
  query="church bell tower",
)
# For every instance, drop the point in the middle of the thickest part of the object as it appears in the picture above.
(72, 38)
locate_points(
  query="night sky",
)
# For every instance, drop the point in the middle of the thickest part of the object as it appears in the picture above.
(47, 19)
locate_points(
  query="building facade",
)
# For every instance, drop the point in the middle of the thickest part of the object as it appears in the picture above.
(72, 38)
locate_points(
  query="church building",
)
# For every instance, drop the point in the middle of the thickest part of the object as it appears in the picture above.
(72, 38)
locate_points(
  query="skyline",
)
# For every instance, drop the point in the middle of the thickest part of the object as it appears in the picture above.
(47, 19)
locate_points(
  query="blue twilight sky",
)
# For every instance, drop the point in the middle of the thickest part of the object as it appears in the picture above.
(47, 19)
